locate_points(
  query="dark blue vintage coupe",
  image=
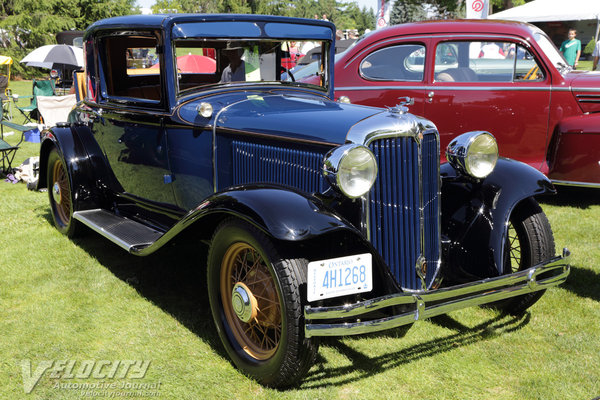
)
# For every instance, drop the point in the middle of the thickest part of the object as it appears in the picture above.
(322, 218)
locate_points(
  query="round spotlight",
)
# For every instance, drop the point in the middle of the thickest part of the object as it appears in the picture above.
(473, 153)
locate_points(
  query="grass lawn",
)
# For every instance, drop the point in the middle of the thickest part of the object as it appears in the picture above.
(86, 299)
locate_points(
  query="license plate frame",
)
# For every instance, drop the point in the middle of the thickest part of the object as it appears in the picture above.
(339, 276)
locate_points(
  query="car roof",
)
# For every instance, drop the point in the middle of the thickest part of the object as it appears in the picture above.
(454, 26)
(157, 21)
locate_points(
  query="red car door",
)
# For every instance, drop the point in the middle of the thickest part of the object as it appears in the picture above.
(379, 74)
(495, 85)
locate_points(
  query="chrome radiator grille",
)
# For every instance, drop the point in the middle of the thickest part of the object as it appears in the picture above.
(403, 206)
(262, 163)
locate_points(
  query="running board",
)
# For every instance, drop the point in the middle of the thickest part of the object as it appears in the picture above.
(124, 232)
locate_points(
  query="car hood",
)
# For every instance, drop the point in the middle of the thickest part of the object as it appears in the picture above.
(585, 86)
(287, 115)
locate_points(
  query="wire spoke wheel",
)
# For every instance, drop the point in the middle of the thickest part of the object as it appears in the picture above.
(259, 333)
(514, 249)
(61, 193)
(257, 305)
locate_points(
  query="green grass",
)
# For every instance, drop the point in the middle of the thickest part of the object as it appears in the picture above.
(86, 299)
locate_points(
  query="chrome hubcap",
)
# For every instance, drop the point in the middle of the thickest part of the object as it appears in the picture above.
(56, 193)
(243, 302)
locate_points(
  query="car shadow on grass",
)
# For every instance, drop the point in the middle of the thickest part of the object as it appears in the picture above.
(173, 278)
(583, 282)
(362, 365)
(578, 197)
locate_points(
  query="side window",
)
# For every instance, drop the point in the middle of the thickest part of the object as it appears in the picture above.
(132, 68)
(396, 63)
(526, 67)
(495, 61)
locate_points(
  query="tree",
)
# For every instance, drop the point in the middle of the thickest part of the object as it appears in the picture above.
(33, 23)
(501, 5)
(407, 11)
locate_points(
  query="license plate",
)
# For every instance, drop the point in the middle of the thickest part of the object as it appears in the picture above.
(339, 276)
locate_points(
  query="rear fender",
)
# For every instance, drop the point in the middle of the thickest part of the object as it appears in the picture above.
(475, 216)
(83, 161)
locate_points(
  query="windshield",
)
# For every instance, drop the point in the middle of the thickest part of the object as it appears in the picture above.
(555, 56)
(200, 63)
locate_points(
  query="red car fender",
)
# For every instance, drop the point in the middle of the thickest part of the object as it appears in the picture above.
(574, 153)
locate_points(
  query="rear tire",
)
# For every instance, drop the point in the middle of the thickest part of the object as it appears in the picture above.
(529, 242)
(257, 306)
(60, 193)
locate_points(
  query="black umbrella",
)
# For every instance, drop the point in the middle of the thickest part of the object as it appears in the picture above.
(52, 54)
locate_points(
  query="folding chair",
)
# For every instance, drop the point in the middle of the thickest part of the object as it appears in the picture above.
(40, 88)
(4, 97)
(55, 109)
(8, 151)
(5, 93)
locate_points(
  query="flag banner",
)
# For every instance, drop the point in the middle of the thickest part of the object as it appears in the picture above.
(477, 9)
(383, 14)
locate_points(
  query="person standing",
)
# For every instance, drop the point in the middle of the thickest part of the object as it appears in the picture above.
(571, 49)
(596, 55)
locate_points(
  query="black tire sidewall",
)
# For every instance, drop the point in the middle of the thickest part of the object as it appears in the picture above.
(227, 234)
(537, 245)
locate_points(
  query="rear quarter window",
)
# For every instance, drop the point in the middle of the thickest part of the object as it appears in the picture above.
(395, 63)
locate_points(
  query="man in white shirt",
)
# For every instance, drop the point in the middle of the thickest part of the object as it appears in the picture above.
(596, 55)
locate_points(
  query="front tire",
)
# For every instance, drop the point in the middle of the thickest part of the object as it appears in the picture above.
(60, 195)
(256, 304)
(529, 242)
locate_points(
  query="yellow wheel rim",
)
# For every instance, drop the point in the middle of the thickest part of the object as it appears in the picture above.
(61, 193)
(256, 323)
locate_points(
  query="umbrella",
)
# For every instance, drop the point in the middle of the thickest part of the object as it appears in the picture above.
(54, 55)
(193, 63)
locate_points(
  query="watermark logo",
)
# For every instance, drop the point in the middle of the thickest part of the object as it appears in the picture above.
(64, 371)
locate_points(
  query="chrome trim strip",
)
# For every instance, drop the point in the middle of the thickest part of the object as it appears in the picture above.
(454, 298)
(575, 183)
(578, 89)
(455, 88)
(401, 39)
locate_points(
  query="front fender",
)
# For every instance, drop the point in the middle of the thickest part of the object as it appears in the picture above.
(475, 216)
(282, 213)
(293, 219)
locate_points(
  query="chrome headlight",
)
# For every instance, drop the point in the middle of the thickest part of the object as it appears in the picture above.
(351, 169)
(473, 153)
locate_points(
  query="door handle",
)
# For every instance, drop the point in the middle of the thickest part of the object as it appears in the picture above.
(430, 96)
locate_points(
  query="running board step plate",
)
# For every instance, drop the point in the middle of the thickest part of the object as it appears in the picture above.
(122, 231)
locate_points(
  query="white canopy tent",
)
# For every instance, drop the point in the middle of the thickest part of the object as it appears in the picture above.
(553, 10)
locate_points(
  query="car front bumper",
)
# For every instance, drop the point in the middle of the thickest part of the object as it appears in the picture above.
(345, 319)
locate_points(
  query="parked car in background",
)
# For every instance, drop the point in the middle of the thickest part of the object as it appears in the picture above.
(321, 218)
(503, 77)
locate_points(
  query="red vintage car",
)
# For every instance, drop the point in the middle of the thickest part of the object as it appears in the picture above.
(504, 77)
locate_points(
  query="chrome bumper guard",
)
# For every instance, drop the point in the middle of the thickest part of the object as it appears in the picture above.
(554, 271)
